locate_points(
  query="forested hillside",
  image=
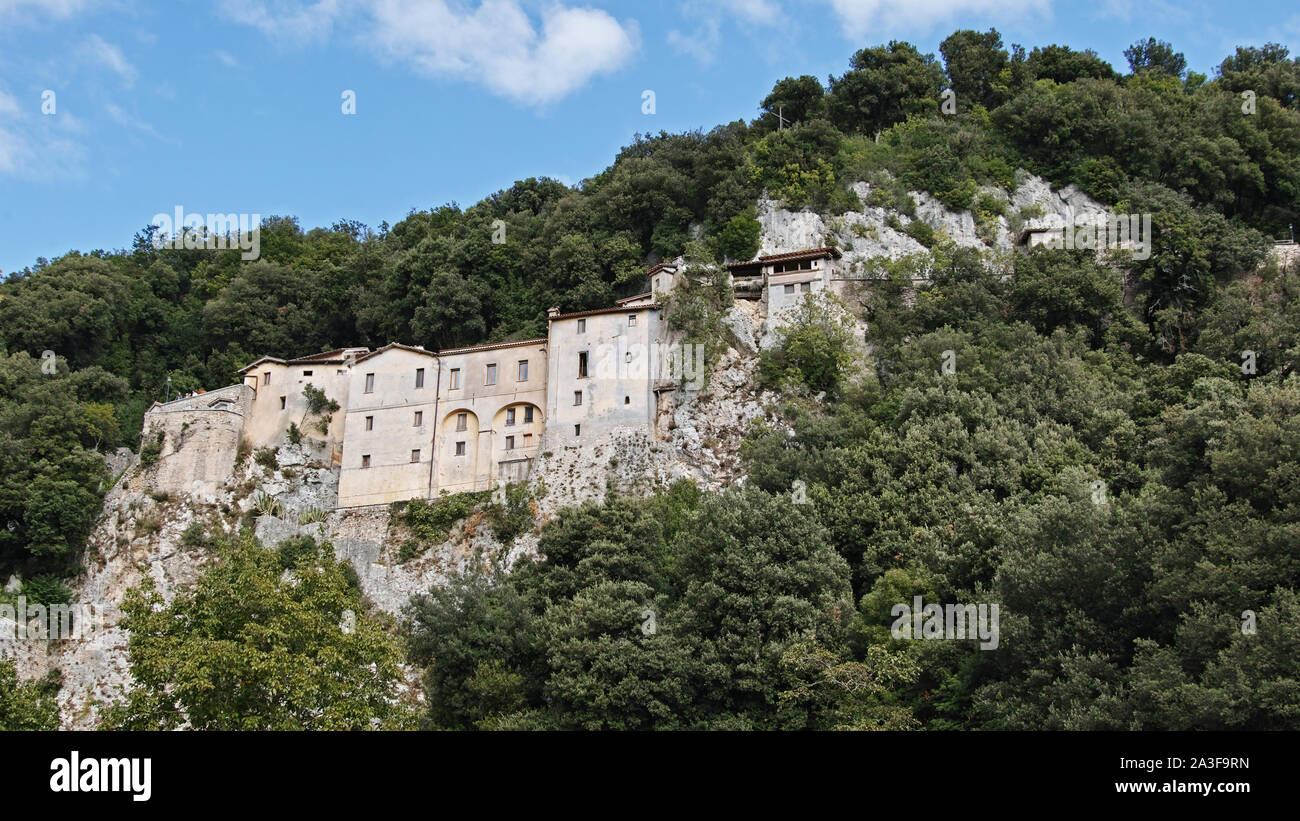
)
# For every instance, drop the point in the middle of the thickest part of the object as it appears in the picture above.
(974, 486)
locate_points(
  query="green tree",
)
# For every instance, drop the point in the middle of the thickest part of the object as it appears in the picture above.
(797, 99)
(27, 705)
(885, 85)
(974, 63)
(254, 648)
(1156, 56)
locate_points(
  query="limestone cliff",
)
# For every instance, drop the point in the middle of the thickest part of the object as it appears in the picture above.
(143, 530)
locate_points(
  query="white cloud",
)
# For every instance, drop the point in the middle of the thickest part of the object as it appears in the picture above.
(105, 54)
(36, 146)
(703, 38)
(763, 12)
(701, 43)
(27, 10)
(122, 118)
(226, 58)
(496, 44)
(884, 20)
(290, 21)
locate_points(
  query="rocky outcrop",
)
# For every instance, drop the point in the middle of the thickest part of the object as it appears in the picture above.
(701, 443)
(873, 231)
(143, 532)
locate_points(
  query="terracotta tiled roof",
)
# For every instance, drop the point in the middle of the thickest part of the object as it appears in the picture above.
(628, 299)
(493, 346)
(336, 355)
(390, 346)
(654, 306)
(657, 267)
(790, 256)
(257, 362)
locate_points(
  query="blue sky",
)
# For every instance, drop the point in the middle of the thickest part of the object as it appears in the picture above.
(235, 105)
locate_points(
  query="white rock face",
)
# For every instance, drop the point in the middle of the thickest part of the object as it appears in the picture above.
(865, 234)
(701, 443)
(140, 534)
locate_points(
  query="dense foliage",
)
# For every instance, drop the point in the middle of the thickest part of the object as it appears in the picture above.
(266, 640)
(27, 705)
(1125, 514)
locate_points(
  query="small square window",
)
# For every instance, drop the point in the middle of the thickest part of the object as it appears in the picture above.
(370, 383)
(528, 440)
(582, 365)
(365, 461)
(266, 378)
(789, 289)
(510, 443)
(627, 400)
(460, 448)
(282, 402)
(577, 397)
(806, 287)
(582, 326)
(528, 414)
(370, 423)
(577, 430)
(419, 377)
(510, 416)
(306, 373)
(415, 455)
(523, 371)
(631, 319)
(455, 379)
(419, 419)
(491, 378)
(462, 421)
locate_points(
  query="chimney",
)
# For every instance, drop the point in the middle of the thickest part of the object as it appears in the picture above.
(553, 311)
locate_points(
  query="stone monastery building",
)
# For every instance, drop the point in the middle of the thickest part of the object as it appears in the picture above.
(414, 423)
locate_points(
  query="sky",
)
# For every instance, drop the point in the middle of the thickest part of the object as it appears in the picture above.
(114, 111)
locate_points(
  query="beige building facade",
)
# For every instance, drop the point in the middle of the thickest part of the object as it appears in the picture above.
(490, 414)
(414, 423)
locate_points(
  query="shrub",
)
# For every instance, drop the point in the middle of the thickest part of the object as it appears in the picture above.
(152, 447)
(988, 207)
(318, 404)
(430, 523)
(921, 232)
(47, 589)
(696, 308)
(513, 515)
(267, 505)
(816, 346)
(739, 237)
(266, 458)
(147, 525)
(293, 550)
(196, 535)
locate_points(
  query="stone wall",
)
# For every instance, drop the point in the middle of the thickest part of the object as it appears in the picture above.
(200, 438)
